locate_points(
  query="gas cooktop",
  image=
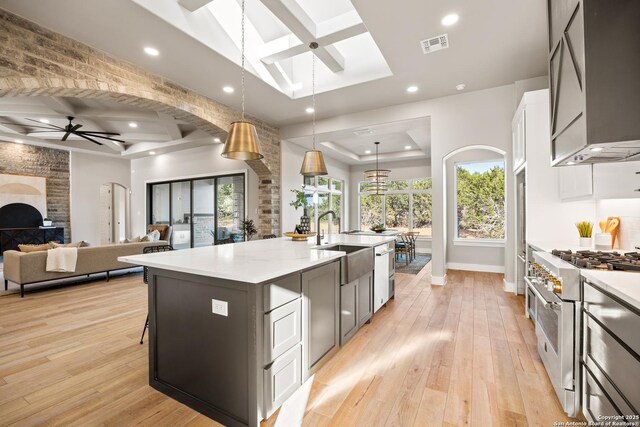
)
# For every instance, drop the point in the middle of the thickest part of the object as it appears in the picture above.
(629, 261)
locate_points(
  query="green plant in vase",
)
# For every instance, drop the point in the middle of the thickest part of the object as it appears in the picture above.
(248, 228)
(585, 230)
(301, 201)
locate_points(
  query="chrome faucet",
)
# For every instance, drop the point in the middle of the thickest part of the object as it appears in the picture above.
(318, 238)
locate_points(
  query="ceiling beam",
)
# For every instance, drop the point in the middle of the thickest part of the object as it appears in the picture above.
(59, 105)
(171, 126)
(291, 14)
(193, 5)
(325, 41)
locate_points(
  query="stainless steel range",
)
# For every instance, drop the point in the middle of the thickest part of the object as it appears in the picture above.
(553, 301)
(615, 261)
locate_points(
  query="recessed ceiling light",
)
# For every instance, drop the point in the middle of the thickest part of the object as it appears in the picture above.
(216, 140)
(596, 149)
(407, 147)
(461, 86)
(133, 125)
(450, 19)
(44, 121)
(309, 110)
(228, 89)
(412, 89)
(18, 141)
(152, 51)
(367, 151)
(152, 153)
(571, 163)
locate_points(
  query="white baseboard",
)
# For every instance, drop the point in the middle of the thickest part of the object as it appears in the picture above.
(476, 267)
(439, 280)
(509, 286)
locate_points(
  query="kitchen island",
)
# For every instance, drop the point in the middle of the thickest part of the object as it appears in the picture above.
(235, 329)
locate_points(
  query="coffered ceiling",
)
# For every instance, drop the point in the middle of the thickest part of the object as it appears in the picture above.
(145, 132)
(402, 140)
(370, 50)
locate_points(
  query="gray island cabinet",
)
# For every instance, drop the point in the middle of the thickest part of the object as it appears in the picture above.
(239, 367)
(234, 330)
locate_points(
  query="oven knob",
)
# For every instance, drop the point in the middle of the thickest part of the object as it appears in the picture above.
(557, 286)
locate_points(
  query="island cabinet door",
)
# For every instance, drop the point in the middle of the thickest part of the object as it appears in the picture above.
(320, 315)
(365, 298)
(348, 311)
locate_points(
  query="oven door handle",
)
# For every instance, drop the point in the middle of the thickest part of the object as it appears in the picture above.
(548, 305)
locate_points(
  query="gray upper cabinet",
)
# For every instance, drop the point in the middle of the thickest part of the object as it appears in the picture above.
(594, 64)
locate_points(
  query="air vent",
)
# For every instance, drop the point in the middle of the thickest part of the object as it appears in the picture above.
(361, 132)
(435, 43)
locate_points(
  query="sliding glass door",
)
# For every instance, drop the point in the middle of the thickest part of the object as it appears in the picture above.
(204, 217)
(202, 211)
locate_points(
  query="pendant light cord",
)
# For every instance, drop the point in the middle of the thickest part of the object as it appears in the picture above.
(313, 94)
(242, 60)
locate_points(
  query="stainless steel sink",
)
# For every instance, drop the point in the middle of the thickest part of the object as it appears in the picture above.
(358, 261)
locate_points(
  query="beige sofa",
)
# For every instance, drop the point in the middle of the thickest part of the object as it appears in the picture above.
(25, 268)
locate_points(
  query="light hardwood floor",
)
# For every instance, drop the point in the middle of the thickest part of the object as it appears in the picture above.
(462, 354)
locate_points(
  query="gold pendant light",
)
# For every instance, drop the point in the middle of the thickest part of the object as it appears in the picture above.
(377, 178)
(313, 162)
(242, 140)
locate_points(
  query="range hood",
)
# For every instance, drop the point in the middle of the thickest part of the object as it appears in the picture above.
(594, 69)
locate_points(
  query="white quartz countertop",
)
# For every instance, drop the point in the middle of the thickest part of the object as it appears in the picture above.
(624, 285)
(255, 261)
(548, 246)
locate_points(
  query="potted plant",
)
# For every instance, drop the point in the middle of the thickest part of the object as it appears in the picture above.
(300, 201)
(378, 228)
(585, 229)
(248, 228)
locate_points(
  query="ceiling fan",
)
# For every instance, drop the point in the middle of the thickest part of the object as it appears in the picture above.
(72, 129)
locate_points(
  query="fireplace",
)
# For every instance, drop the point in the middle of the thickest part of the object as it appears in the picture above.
(21, 223)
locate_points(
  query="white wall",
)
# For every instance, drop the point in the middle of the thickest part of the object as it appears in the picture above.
(482, 117)
(460, 255)
(629, 212)
(201, 161)
(88, 172)
(291, 159)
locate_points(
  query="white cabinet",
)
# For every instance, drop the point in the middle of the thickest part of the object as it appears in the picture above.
(518, 130)
(575, 181)
(620, 180)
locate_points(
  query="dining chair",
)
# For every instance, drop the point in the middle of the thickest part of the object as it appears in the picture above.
(403, 247)
(145, 276)
(413, 236)
(269, 236)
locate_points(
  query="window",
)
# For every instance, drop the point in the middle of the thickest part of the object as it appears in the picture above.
(323, 194)
(480, 204)
(406, 206)
(202, 211)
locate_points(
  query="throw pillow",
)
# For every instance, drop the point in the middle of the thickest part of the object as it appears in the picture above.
(84, 244)
(35, 248)
(161, 228)
(133, 240)
(144, 238)
(154, 235)
(67, 245)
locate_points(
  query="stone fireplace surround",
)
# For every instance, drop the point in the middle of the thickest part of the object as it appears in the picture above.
(35, 61)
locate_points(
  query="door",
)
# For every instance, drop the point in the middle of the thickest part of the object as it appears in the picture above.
(349, 298)
(365, 298)
(229, 208)
(181, 214)
(105, 214)
(320, 314)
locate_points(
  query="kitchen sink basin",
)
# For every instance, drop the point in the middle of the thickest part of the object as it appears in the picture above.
(358, 261)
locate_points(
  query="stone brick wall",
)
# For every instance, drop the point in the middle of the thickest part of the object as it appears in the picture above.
(38, 62)
(29, 160)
